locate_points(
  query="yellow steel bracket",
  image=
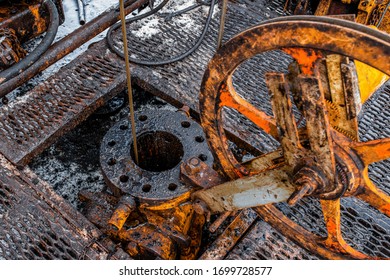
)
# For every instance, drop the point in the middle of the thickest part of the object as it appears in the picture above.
(370, 79)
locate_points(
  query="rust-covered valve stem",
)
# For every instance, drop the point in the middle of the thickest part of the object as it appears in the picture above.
(125, 206)
(307, 180)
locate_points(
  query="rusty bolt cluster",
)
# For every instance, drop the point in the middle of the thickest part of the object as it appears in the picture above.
(10, 49)
(307, 180)
(192, 166)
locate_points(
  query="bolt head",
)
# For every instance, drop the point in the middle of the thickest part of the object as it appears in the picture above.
(194, 161)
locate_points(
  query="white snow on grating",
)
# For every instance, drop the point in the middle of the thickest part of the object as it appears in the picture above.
(148, 29)
(68, 179)
(178, 5)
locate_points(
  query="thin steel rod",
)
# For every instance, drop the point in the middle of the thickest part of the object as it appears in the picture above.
(222, 23)
(81, 11)
(128, 78)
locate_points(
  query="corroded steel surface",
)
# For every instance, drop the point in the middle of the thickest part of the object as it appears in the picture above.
(263, 242)
(155, 215)
(30, 125)
(36, 223)
(166, 139)
(230, 236)
(20, 22)
(68, 44)
(342, 162)
(179, 84)
(27, 18)
(57, 105)
(24, 137)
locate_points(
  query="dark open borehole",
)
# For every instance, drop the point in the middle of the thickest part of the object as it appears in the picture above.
(158, 151)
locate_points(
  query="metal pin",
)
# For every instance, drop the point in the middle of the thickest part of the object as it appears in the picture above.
(303, 190)
(383, 15)
(128, 78)
(219, 221)
(222, 23)
(81, 10)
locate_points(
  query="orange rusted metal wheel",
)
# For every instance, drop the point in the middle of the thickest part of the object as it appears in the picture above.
(313, 33)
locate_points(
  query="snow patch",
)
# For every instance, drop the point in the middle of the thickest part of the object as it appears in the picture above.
(148, 29)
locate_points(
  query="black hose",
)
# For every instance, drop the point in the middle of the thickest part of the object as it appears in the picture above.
(112, 47)
(54, 22)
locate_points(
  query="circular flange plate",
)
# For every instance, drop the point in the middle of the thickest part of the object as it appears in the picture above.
(170, 137)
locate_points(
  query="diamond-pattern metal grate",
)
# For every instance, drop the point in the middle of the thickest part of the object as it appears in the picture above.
(59, 104)
(38, 224)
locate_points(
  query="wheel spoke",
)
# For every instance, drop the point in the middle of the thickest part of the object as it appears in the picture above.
(331, 212)
(282, 108)
(374, 196)
(373, 151)
(230, 98)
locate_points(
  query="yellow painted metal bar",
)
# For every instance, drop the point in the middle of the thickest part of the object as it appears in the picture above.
(370, 80)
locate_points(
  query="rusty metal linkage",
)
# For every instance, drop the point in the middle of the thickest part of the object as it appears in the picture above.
(10, 48)
(318, 160)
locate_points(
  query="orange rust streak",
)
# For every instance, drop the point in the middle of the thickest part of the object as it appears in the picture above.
(306, 58)
(331, 211)
(119, 217)
(39, 22)
(169, 204)
(374, 196)
(259, 118)
(142, 236)
(373, 151)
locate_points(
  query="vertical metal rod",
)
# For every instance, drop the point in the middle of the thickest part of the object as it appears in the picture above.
(222, 23)
(81, 11)
(128, 78)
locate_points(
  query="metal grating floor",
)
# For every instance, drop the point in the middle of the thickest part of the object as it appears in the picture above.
(57, 105)
(36, 223)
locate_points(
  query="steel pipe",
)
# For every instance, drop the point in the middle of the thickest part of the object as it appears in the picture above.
(68, 44)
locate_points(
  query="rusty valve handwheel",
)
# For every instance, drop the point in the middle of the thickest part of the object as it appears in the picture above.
(315, 165)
